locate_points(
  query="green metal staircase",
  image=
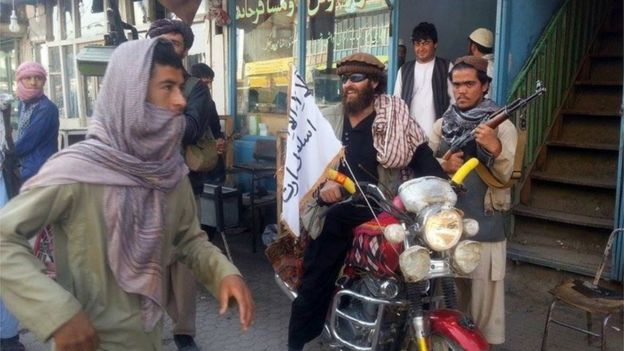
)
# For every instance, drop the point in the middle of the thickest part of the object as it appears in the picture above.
(566, 202)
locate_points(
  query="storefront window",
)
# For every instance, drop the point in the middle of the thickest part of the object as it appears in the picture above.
(8, 64)
(70, 29)
(56, 22)
(92, 87)
(71, 83)
(197, 52)
(56, 80)
(336, 30)
(202, 8)
(91, 24)
(265, 37)
(141, 13)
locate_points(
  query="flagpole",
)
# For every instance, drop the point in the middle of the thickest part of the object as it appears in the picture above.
(282, 228)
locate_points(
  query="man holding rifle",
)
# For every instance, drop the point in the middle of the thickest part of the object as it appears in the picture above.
(483, 294)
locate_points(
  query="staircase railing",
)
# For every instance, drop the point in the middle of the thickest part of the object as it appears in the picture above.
(556, 60)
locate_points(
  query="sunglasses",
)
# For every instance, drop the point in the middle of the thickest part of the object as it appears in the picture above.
(354, 78)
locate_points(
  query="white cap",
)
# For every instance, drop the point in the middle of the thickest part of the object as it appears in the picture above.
(483, 37)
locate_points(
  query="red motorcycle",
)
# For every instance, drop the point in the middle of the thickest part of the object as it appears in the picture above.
(397, 290)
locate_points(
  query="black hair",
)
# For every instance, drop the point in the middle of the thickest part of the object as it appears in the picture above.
(381, 79)
(482, 76)
(425, 31)
(202, 70)
(164, 54)
(482, 49)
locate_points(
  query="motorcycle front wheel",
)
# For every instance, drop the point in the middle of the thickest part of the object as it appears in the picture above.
(437, 343)
(442, 343)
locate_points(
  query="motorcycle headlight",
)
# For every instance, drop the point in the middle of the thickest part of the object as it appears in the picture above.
(415, 263)
(394, 233)
(443, 229)
(466, 256)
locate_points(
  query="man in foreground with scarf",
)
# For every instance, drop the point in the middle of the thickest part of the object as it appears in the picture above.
(383, 145)
(482, 296)
(122, 210)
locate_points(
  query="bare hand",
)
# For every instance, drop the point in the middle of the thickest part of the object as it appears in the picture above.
(452, 162)
(76, 334)
(488, 139)
(233, 286)
(330, 192)
(220, 146)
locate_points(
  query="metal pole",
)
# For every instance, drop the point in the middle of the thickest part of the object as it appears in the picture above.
(501, 51)
(301, 36)
(232, 60)
(394, 45)
(617, 273)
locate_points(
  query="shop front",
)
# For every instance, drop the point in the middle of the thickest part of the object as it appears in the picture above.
(267, 42)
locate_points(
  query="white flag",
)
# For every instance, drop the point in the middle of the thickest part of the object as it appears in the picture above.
(311, 147)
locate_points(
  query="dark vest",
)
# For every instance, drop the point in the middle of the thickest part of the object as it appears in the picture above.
(439, 84)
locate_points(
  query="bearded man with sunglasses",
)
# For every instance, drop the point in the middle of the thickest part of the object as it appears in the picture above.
(383, 145)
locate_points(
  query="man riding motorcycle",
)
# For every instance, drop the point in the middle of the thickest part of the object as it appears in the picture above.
(384, 146)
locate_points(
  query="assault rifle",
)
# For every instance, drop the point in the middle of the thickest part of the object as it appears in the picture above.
(497, 117)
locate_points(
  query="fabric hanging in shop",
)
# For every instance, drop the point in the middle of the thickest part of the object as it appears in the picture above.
(322, 19)
(184, 9)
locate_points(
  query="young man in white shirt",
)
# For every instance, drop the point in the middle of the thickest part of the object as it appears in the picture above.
(423, 83)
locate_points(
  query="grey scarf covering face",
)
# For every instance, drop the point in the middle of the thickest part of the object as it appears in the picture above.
(133, 148)
(457, 122)
(26, 111)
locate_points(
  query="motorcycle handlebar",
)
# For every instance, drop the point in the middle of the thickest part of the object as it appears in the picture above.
(341, 179)
(463, 171)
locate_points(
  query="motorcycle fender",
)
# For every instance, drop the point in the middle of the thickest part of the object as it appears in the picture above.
(458, 328)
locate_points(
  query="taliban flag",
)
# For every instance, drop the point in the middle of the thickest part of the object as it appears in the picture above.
(311, 148)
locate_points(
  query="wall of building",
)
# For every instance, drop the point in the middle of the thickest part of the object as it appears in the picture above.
(454, 20)
(522, 23)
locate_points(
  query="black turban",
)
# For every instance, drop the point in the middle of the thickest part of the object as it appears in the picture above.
(165, 25)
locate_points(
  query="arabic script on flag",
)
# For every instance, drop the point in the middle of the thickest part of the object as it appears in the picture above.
(311, 147)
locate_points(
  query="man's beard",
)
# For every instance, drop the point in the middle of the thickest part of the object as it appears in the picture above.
(363, 100)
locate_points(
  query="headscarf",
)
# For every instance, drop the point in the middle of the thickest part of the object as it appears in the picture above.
(132, 147)
(28, 69)
(165, 25)
(396, 135)
(457, 122)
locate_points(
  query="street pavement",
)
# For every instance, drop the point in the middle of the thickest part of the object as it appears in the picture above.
(527, 302)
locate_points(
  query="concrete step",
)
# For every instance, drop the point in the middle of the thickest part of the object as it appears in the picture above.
(608, 42)
(589, 112)
(586, 203)
(561, 237)
(605, 67)
(579, 128)
(598, 83)
(596, 98)
(582, 165)
(559, 217)
(557, 244)
(556, 258)
(575, 180)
